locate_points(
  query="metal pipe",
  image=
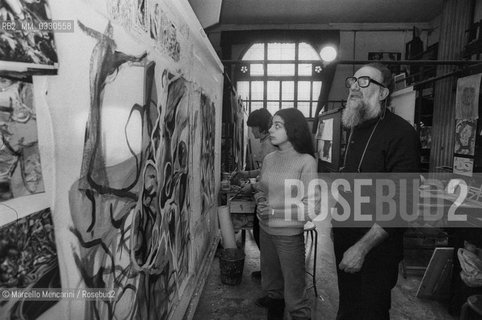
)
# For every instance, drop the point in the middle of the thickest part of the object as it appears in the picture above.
(389, 62)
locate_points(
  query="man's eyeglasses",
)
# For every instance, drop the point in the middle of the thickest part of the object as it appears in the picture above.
(363, 82)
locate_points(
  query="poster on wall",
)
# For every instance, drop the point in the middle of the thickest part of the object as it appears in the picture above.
(26, 36)
(28, 260)
(20, 166)
(467, 97)
(131, 14)
(465, 136)
(163, 30)
(463, 166)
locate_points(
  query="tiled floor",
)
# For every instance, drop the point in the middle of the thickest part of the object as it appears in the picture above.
(222, 302)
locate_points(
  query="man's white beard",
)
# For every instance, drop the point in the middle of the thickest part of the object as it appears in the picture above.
(357, 112)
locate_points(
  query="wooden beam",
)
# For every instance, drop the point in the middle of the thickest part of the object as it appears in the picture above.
(359, 27)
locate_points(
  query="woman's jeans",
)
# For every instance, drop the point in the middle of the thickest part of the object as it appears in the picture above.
(283, 271)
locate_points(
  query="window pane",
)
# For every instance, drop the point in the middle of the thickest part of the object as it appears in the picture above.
(304, 90)
(281, 69)
(256, 52)
(307, 52)
(281, 51)
(256, 69)
(287, 104)
(255, 105)
(243, 89)
(288, 90)
(304, 107)
(257, 90)
(316, 90)
(273, 90)
(273, 107)
(304, 69)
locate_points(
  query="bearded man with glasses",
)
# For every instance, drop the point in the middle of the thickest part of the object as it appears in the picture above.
(367, 254)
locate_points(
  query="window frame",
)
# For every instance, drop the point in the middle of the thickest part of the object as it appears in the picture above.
(243, 68)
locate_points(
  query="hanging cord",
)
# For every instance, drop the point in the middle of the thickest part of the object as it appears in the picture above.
(366, 145)
(230, 83)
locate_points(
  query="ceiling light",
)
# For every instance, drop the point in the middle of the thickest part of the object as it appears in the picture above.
(328, 54)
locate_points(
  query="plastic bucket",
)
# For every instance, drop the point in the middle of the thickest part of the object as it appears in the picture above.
(231, 264)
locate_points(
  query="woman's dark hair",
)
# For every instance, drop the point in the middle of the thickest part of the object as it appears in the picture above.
(297, 130)
(387, 78)
(260, 118)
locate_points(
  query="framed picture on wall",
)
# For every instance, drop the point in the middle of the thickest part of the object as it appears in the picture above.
(387, 56)
(328, 140)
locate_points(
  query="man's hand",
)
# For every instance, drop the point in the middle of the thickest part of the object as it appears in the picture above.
(353, 259)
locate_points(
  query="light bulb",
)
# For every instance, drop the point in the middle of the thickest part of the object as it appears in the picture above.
(328, 53)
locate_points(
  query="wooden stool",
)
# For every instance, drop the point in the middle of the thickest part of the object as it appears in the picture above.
(312, 233)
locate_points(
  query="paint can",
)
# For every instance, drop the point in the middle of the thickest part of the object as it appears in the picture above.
(231, 265)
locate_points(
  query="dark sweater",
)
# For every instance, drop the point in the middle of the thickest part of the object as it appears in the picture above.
(394, 147)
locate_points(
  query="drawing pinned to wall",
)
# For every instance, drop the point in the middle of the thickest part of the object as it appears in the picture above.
(164, 31)
(426, 137)
(155, 21)
(463, 166)
(22, 44)
(208, 129)
(20, 167)
(465, 131)
(28, 259)
(131, 14)
(467, 97)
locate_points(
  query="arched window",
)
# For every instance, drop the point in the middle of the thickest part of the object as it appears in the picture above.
(276, 75)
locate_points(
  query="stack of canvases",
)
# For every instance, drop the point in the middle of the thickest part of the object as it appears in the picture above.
(133, 145)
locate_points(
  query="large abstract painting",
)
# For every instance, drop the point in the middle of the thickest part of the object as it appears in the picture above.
(208, 122)
(131, 205)
(22, 42)
(28, 259)
(20, 168)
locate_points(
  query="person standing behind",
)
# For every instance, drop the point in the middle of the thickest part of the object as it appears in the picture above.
(380, 141)
(281, 224)
(259, 121)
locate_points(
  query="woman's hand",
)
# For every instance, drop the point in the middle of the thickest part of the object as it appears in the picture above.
(263, 210)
